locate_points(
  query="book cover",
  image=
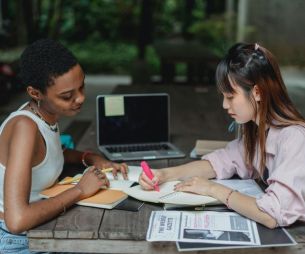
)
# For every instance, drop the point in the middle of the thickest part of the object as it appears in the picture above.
(107, 198)
(203, 147)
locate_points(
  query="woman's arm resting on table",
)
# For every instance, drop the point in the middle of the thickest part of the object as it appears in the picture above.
(243, 204)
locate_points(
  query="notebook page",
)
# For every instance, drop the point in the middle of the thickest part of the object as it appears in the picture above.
(168, 195)
(121, 184)
(133, 174)
(245, 186)
(184, 198)
(151, 196)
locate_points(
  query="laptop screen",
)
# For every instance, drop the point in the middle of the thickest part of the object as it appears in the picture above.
(132, 118)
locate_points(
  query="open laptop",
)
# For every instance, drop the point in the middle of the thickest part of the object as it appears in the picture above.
(134, 127)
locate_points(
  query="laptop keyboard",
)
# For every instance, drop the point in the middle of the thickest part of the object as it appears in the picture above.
(137, 148)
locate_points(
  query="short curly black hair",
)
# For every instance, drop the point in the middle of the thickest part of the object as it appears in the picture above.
(43, 61)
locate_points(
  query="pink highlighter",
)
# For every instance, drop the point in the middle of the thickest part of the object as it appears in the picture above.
(149, 173)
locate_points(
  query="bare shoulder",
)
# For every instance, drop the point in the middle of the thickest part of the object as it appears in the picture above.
(22, 126)
(24, 123)
(20, 137)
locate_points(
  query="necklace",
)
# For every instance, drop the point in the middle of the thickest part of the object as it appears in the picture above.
(52, 127)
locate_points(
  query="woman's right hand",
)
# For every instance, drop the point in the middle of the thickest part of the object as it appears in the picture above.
(92, 181)
(148, 184)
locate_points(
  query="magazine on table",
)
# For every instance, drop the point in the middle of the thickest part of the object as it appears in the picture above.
(203, 227)
(278, 237)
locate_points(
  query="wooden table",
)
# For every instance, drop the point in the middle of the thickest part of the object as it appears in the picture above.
(194, 115)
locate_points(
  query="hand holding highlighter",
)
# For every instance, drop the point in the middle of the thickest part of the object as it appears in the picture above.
(149, 173)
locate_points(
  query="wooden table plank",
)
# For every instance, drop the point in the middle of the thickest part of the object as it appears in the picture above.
(126, 225)
(79, 222)
(141, 247)
(43, 231)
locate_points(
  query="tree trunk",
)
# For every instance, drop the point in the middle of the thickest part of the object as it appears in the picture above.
(27, 6)
(55, 21)
(20, 26)
(188, 18)
(145, 27)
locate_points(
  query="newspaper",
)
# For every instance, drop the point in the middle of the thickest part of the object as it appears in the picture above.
(206, 227)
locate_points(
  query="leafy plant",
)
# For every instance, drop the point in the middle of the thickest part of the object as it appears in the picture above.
(212, 33)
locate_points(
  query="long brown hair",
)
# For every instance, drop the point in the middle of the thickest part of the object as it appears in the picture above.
(248, 65)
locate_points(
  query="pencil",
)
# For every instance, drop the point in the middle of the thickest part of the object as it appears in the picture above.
(76, 178)
(105, 170)
(70, 179)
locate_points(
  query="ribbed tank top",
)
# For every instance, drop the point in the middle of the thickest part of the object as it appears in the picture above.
(46, 173)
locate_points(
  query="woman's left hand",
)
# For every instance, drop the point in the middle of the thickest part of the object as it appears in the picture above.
(198, 185)
(102, 163)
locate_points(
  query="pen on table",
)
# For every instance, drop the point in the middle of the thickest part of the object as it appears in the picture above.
(78, 177)
(149, 173)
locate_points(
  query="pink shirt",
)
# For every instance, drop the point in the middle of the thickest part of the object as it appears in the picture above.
(284, 199)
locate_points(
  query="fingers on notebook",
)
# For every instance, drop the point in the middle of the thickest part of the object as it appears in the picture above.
(183, 186)
(119, 168)
(105, 183)
(124, 170)
(146, 183)
(101, 177)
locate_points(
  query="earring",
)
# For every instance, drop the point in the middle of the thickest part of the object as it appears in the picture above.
(38, 103)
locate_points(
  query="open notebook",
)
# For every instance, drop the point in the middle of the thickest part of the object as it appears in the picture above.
(117, 184)
(167, 194)
(107, 199)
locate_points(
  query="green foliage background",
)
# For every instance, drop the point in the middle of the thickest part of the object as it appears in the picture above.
(103, 34)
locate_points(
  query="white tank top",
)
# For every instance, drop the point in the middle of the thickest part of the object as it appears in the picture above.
(46, 173)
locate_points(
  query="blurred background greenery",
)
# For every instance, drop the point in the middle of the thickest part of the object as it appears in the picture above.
(114, 36)
(107, 36)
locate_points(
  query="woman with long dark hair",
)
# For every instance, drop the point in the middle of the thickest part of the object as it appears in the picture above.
(271, 142)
